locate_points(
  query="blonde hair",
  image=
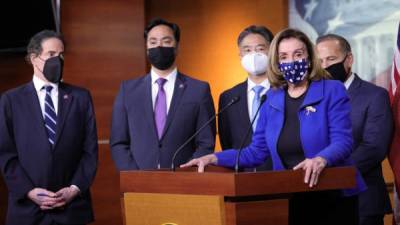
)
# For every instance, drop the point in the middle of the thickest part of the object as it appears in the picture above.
(275, 76)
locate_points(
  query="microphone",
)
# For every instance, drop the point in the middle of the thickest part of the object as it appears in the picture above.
(262, 100)
(233, 101)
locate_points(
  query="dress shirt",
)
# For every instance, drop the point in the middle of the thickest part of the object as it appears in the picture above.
(251, 95)
(168, 86)
(349, 80)
(41, 93)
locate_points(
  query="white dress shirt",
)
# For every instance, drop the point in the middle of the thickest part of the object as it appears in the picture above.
(349, 80)
(168, 86)
(41, 93)
(251, 95)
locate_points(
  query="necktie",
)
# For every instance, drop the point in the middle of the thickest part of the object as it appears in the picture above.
(50, 116)
(256, 103)
(160, 108)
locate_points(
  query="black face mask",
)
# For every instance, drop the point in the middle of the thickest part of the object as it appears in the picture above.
(53, 69)
(162, 57)
(338, 71)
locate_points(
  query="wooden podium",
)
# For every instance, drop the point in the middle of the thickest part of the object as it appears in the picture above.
(218, 196)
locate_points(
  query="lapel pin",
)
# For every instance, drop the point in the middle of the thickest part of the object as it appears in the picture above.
(181, 85)
(65, 96)
(310, 109)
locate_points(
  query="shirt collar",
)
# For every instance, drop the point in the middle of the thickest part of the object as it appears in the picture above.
(39, 84)
(251, 84)
(170, 77)
(349, 80)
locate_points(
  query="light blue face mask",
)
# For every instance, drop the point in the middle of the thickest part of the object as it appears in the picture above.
(294, 72)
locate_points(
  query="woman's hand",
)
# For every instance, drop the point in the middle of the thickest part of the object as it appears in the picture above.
(201, 162)
(313, 168)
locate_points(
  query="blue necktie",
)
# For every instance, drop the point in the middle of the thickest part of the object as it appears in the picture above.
(50, 116)
(256, 103)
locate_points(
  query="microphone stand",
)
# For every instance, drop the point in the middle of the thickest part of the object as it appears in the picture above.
(262, 100)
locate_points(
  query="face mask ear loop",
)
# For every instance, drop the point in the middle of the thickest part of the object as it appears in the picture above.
(41, 71)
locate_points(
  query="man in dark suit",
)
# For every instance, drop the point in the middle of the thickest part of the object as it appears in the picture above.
(155, 114)
(253, 43)
(48, 142)
(372, 125)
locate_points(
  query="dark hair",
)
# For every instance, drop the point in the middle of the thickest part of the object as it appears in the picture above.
(253, 29)
(344, 44)
(158, 21)
(35, 43)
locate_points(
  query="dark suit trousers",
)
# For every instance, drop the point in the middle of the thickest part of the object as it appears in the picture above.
(371, 220)
(323, 208)
(48, 221)
(65, 224)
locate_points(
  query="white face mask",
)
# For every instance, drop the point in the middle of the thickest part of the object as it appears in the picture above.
(255, 63)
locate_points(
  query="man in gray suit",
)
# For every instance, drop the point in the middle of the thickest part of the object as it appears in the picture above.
(155, 114)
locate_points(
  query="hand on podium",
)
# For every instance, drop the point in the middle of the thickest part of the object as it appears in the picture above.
(313, 168)
(201, 162)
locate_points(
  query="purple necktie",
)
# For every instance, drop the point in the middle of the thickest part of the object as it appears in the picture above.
(160, 108)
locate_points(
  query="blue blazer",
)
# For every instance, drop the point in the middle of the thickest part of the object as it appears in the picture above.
(372, 123)
(27, 160)
(134, 141)
(325, 129)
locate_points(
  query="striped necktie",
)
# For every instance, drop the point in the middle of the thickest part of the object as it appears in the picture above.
(50, 116)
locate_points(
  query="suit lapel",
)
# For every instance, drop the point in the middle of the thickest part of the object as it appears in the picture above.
(148, 104)
(35, 111)
(314, 94)
(64, 104)
(277, 100)
(243, 104)
(179, 89)
(354, 86)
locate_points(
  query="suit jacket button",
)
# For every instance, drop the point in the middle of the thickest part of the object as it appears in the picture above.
(159, 145)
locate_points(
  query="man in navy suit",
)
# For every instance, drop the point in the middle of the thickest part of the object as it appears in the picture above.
(48, 142)
(253, 43)
(155, 114)
(372, 125)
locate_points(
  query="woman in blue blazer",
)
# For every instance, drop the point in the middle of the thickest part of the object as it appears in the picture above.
(304, 124)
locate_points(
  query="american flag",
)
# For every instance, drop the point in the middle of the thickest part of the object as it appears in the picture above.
(371, 31)
(395, 75)
(394, 155)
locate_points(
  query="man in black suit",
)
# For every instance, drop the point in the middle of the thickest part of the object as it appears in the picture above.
(372, 125)
(48, 142)
(253, 43)
(155, 114)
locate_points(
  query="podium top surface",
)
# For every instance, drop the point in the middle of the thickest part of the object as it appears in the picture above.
(230, 184)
